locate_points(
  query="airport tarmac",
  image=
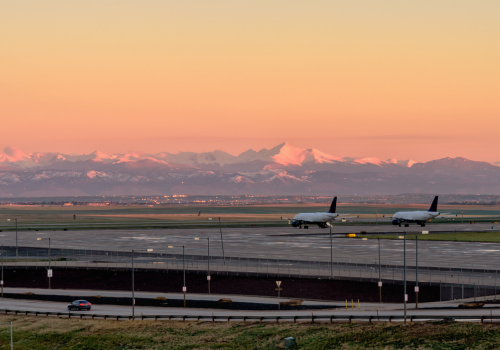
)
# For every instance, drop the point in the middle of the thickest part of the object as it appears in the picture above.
(282, 243)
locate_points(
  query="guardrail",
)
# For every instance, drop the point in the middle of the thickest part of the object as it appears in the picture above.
(312, 318)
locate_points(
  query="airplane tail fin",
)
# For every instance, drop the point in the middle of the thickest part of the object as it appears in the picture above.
(434, 205)
(333, 206)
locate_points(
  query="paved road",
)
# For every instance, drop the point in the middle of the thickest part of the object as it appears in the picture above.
(152, 295)
(44, 306)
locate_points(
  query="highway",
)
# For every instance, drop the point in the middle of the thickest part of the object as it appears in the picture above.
(367, 309)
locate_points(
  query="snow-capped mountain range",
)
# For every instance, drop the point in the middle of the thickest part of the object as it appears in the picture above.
(283, 155)
(284, 169)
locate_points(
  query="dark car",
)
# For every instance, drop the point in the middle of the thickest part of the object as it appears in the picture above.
(80, 305)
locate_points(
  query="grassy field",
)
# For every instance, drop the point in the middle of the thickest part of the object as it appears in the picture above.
(32, 215)
(454, 236)
(53, 333)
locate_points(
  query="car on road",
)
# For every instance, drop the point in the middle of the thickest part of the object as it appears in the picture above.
(79, 305)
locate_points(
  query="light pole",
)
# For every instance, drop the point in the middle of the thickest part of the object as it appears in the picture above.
(208, 261)
(1, 282)
(16, 239)
(379, 273)
(416, 267)
(462, 217)
(404, 269)
(133, 289)
(331, 252)
(183, 271)
(49, 271)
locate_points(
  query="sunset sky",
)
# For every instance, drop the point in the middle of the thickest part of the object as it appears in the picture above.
(401, 79)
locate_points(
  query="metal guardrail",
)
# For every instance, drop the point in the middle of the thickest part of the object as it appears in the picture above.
(312, 318)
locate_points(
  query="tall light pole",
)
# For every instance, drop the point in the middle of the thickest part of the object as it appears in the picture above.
(208, 261)
(49, 272)
(379, 273)
(331, 252)
(183, 272)
(16, 239)
(133, 287)
(416, 267)
(404, 269)
(2, 271)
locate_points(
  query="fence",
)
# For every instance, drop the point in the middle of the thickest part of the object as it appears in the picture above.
(312, 317)
(455, 283)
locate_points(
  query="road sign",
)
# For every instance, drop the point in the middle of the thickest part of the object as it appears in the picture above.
(208, 278)
(49, 273)
(278, 283)
(380, 284)
(416, 289)
(184, 289)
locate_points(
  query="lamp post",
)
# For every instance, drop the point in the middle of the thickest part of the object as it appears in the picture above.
(183, 271)
(49, 272)
(133, 287)
(416, 267)
(16, 239)
(404, 268)
(379, 274)
(1, 282)
(331, 252)
(208, 261)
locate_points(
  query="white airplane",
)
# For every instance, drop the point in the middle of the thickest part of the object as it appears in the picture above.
(320, 219)
(418, 217)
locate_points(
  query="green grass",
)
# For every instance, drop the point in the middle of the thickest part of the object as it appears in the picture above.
(58, 333)
(456, 236)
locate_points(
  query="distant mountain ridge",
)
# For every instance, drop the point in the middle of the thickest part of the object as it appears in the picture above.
(283, 169)
(281, 155)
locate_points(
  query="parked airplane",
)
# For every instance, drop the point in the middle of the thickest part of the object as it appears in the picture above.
(418, 217)
(320, 219)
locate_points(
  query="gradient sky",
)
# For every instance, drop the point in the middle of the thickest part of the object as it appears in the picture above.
(402, 79)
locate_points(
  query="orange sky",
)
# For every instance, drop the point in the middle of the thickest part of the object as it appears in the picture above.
(398, 79)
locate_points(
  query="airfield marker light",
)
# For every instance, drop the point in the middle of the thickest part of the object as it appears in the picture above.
(149, 250)
(197, 239)
(38, 239)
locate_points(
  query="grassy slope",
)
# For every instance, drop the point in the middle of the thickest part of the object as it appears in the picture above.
(52, 333)
(458, 236)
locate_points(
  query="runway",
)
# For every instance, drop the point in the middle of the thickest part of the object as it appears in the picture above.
(281, 243)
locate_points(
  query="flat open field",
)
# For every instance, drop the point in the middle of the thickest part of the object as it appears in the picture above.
(29, 215)
(454, 236)
(58, 333)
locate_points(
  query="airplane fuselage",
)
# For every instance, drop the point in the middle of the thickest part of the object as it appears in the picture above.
(313, 218)
(418, 217)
